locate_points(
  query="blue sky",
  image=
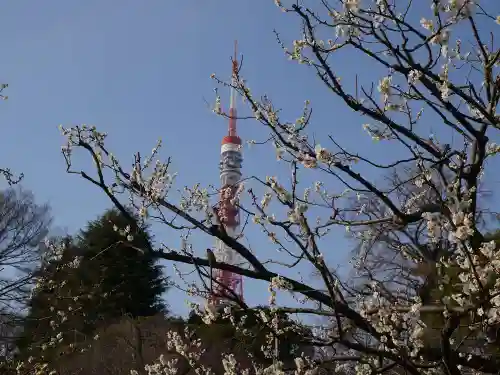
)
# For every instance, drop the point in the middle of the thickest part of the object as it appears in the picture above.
(140, 70)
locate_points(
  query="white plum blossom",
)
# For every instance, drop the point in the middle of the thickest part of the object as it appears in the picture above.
(384, 87)
(414, 76)
(426, 24)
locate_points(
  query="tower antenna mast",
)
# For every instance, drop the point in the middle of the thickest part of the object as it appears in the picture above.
(232, 98)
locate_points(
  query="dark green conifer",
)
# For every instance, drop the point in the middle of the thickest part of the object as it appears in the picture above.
(100, 277)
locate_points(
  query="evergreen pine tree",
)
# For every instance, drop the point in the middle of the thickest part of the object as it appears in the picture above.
(99, 278)
(125, 281)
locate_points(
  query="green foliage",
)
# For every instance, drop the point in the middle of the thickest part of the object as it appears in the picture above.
(98, 279)
(252, 334)
(128, 280)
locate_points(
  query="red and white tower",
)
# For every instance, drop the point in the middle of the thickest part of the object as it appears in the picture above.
(227, 283)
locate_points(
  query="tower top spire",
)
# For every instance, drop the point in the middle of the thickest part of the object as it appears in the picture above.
(235, 58)
(232, 103)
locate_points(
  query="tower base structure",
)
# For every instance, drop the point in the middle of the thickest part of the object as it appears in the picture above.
(227, 286)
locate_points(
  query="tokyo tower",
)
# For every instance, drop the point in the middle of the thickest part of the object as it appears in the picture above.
(229, 286)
